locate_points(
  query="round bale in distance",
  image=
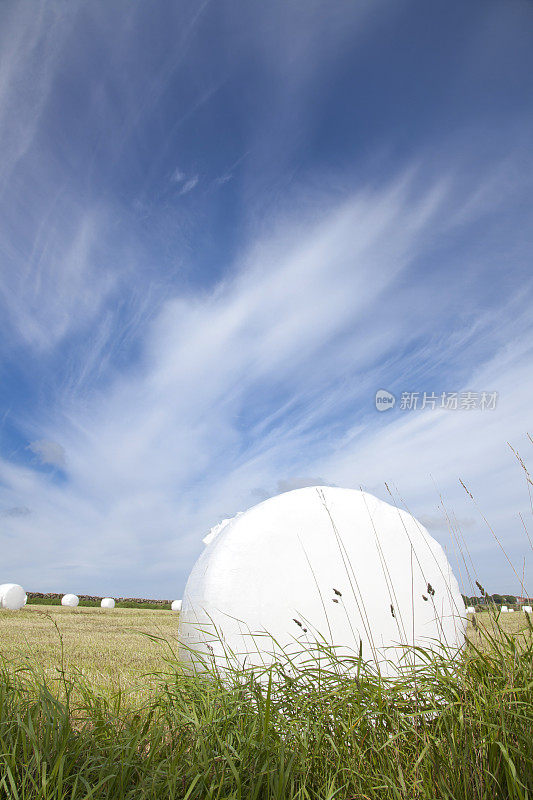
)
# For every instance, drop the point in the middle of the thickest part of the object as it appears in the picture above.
(470, 610)
(107, 602)
(176, 605)
(319, 566)
(12, 596)
(527, 609)
(71, 600)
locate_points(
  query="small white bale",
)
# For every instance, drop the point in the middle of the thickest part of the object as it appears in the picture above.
(527, 609)
(25, 599)
(12, 596)
(107, 602)
(504, 609)
(510, 610)
(176, 605)
(470, 610)
(71, 600)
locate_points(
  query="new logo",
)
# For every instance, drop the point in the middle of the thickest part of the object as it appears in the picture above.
(384, 400)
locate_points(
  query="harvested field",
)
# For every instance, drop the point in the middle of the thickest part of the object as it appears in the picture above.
(110, 649)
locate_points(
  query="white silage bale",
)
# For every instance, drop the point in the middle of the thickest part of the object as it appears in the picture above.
(316, 565)
(71, 600)
(12, 596)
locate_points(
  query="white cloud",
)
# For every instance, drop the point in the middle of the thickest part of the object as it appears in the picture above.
(64, 287)
(185, 184)
(189, 185)
(48, 452)
(239, 385)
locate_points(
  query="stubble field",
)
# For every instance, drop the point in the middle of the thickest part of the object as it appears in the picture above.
(115, 649)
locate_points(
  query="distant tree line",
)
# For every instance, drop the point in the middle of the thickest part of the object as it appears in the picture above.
(498, 599)
(54, 598)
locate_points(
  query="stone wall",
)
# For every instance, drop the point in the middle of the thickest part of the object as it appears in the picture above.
(56, 596)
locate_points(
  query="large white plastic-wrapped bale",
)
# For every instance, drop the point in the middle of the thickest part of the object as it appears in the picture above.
(70, 600)
(12, 596)
(527, 609)
(504, 609)
(470, 610)
(107, 602)
(319, 564)
(175, 605)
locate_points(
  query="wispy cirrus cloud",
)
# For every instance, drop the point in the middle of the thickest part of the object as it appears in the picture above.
(271, 375)
(184, 182)
(188, 185)
(178, 354)
(31, 41)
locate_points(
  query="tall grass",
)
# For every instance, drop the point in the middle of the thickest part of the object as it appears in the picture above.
(451, 728)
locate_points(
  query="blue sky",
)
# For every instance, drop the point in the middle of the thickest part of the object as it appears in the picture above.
(223, 227)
